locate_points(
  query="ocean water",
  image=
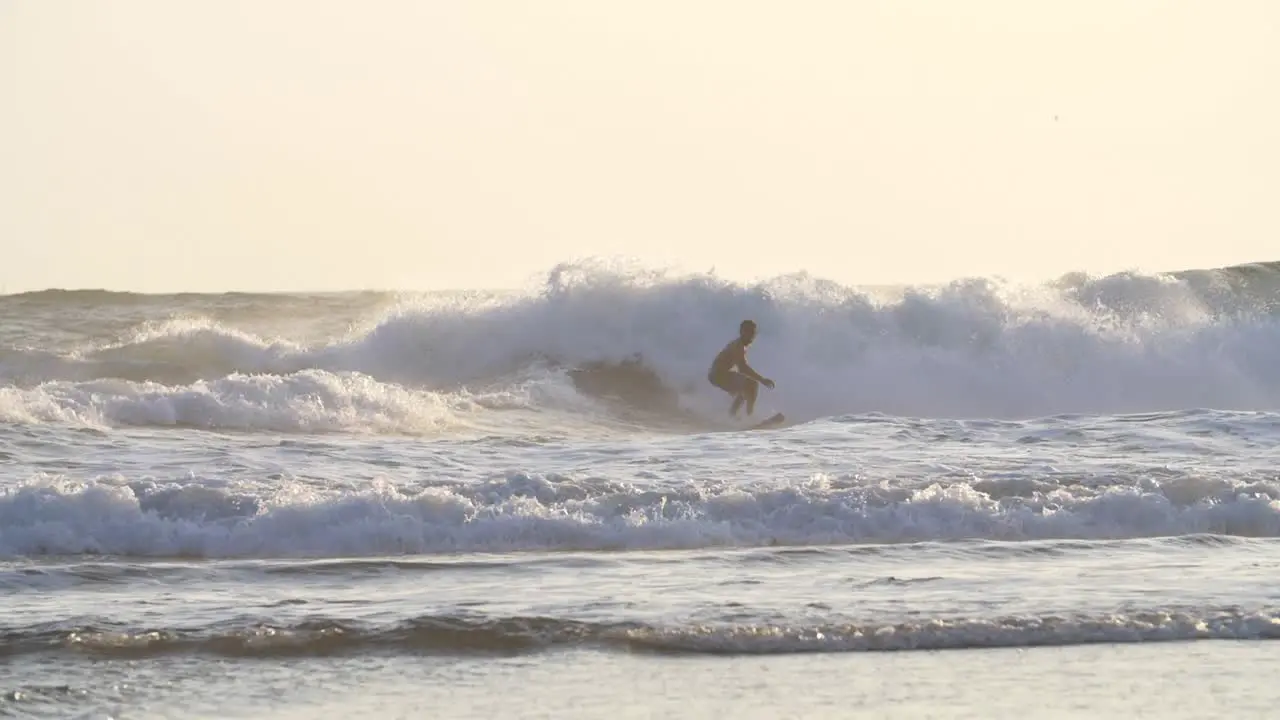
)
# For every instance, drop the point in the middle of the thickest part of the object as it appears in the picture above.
(988, 501)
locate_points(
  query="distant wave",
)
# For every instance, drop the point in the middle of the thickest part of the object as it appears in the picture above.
(974, 348)
(1242, 278)
(123, 297)
(473, 634)
(532, 512)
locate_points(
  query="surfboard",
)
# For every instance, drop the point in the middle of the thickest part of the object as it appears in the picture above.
(774, 421)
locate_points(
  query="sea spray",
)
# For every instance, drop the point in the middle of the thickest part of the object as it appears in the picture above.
(972, 348)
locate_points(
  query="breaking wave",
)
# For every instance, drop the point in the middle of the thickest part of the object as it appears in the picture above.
(309, 401)
(531, 512)
(977, 347)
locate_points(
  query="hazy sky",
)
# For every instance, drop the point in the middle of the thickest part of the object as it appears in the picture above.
(190, 145)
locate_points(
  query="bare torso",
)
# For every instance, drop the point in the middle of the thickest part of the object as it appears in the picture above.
(732, 355)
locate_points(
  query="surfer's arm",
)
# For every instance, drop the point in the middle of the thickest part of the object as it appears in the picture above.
(750, 372)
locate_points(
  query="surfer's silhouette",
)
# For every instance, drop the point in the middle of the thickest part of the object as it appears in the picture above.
(744, 383)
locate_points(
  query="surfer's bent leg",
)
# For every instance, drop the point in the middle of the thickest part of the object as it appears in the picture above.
(741, 387)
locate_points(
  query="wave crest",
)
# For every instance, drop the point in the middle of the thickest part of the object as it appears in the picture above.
(309, 401)
(462, 635)
(976, 347)
(533, 512)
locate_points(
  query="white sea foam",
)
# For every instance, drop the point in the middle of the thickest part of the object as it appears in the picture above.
(525, 512)
(974, 348)
(950, 634)
(306, 401)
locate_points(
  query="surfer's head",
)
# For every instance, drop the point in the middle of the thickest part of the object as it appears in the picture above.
(747, 331)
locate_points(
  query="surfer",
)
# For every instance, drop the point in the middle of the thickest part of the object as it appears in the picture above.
(744, 383)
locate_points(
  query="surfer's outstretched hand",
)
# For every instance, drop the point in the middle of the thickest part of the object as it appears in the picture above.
(767, 383)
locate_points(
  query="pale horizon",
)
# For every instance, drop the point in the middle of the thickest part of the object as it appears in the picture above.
(325, 146)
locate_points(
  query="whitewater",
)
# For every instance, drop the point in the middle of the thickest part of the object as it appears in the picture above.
(531, 502)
